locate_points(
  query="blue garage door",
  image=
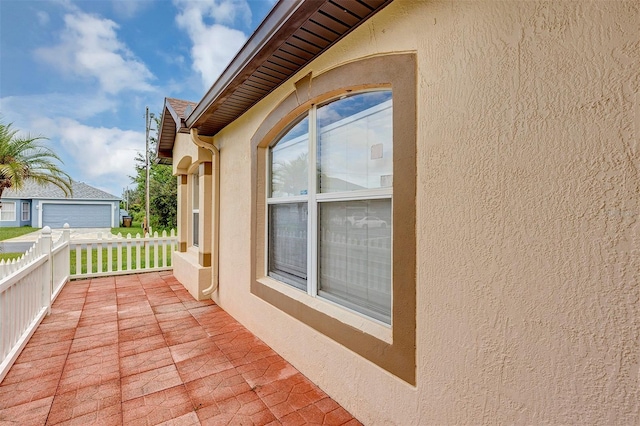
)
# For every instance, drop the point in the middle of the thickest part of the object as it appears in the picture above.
(76, 215)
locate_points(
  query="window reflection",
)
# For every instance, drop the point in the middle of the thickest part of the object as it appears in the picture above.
(354, 266)
(355, 143)
(290, 162)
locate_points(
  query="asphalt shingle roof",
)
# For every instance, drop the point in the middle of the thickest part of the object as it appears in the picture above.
(180, 106)
(81, 191)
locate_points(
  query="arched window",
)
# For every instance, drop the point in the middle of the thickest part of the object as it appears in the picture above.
(334, 207)
(344, 201)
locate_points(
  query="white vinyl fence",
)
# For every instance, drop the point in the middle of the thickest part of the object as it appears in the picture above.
(117, 255)
(29, 285)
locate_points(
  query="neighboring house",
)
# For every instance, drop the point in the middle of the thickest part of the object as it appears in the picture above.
(39, 206)
(497, 141)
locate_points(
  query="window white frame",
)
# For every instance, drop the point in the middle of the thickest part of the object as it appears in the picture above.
(314, 198)
(8, 211)
(26, 211)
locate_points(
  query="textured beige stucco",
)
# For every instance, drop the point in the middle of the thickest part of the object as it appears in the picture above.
(186, 268)
(528, 218)
(192, 276)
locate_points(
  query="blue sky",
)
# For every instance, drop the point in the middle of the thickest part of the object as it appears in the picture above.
(82, 72)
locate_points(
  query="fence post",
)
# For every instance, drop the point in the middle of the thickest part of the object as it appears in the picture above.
(66, 239)
(66, 233)
(48, 270)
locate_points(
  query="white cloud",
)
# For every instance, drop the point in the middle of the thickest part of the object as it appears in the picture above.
(89, 47)
(100, 152)
(101, 157)
(227, 12)
(209, 25)
(80, 106)
(42, 17)
(213, 49)
(129, 8)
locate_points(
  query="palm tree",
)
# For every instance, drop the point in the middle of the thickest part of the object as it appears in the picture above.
(24, 158)
(290, 177)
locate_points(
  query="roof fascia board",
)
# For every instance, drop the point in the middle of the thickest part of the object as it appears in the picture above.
(173, 113)
(278, 16)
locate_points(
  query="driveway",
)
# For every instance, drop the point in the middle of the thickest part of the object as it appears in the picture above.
(24, 242)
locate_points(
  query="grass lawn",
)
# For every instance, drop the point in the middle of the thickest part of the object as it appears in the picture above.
(15, 231)
(114, 260)
(6, 233)
(11, 232)
(135, 228)
(10, 256)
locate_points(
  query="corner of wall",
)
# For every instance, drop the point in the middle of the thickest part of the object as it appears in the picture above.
(192, 276)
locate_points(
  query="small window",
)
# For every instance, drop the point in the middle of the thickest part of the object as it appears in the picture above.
(26, 211)
(8, 211)
(195, 206)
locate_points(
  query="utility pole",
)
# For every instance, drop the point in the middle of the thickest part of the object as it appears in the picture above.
(148, 126)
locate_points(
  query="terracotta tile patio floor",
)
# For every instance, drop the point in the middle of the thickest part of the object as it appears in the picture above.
(139, 350)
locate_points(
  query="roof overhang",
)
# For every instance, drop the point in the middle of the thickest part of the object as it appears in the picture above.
(293, 34)
(172, 122)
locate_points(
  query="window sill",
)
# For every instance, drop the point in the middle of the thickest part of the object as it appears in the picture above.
(366, 325)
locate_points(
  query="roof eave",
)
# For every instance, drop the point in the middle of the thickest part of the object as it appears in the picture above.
(169, 128)
(281, 42)
(279, 16)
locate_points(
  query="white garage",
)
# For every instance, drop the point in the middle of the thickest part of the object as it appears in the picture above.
(55, 215)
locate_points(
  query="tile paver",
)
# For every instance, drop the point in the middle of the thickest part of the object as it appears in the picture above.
(139, 350)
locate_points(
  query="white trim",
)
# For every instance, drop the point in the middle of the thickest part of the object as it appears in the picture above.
(288, 200)
(363, 194)
(312, 207)
(15, 216)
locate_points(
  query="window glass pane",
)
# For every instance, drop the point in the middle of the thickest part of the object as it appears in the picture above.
(196, 191)
(289, 162)
(25, 211)
(354, 267)
(196, 229)
(288, 243)
(8, 211)
(355, 143)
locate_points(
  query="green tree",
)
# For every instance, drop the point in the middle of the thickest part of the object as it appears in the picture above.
(163, 189)
(24, 158)
(290, 177)
(163, 200)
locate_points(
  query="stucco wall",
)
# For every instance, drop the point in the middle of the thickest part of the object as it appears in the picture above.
(528, 208)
